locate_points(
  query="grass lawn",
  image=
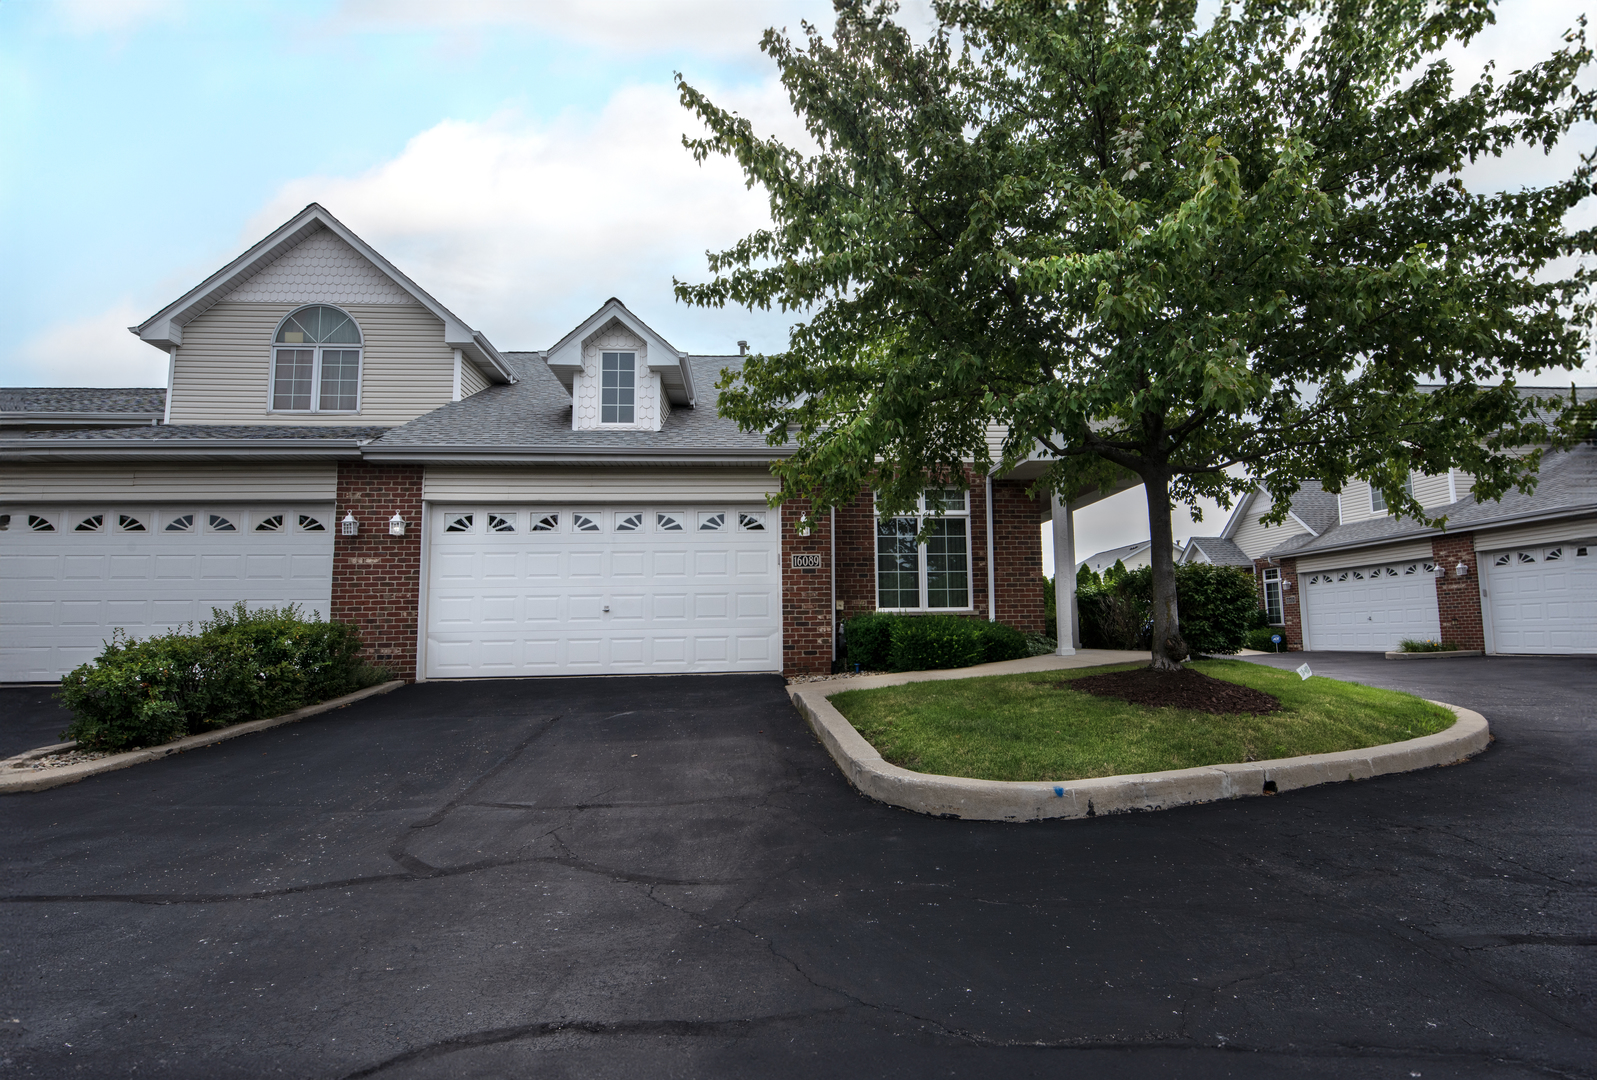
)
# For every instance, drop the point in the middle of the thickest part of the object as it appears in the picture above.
(1025, 727)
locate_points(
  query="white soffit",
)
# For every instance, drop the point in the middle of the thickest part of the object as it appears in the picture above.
(671, 364)
(164, 329)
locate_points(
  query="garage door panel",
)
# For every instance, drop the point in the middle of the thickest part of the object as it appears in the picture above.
(1542, 599)
(633, 601)
(1369, 608)
(67, 591)
(500, 565)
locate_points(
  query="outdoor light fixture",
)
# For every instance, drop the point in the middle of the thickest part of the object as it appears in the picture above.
(1286, 583)
(396, 525)
(351, 526)
(1461, 569)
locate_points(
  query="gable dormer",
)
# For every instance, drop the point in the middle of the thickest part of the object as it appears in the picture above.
(621, 375)
(312, 326)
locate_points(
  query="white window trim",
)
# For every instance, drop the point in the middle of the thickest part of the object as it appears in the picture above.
(920, 515)
(637, 390)
(1273, 578)
(316, 368)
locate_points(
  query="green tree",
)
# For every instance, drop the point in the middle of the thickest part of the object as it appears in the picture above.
(1149, 244)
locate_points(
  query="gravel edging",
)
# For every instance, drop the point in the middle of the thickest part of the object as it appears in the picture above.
(12, 781)
(1035, 800)
(1437, 655)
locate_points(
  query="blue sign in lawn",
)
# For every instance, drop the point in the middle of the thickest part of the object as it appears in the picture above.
(1276, 638)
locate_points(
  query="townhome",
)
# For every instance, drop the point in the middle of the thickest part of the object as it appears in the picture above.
(333, 436)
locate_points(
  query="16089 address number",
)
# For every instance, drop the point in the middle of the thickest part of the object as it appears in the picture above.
(807, 562)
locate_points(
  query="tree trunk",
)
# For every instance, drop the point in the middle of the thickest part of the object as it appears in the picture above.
(1168, 647)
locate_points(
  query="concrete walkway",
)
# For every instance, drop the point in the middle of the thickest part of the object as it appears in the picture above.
(1083, 658)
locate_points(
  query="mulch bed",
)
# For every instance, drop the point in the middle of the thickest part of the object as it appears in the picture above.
(1185, 689)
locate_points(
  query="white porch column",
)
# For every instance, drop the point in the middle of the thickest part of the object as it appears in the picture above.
(1066, 630)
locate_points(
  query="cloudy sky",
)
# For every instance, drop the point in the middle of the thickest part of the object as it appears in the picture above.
(521, 160)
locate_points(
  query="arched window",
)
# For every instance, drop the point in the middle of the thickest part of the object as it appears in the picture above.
(316, 362)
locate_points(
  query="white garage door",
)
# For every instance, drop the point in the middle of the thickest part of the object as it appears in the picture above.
(73, 574)
(557, 590)
(1371, 608)
(1543, 599)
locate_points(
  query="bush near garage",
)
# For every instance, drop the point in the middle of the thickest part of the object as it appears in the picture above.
(239, 665)
(883, 641)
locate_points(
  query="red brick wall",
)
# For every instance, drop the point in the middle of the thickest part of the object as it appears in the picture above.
(1458, 599)
(806, 595)
(1017, 553)
(377, 577)
(1291, 602)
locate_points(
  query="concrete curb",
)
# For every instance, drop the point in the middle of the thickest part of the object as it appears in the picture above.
(13, 782)
(1449, 654)
(1002, 800)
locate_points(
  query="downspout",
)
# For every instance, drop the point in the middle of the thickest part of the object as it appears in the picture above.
(421, 592)
(992, 596)
(832, 532)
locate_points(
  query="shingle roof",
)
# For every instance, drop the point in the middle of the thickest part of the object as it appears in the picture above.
(1220, 551)
(136, 400)
(192, 433)
(1567, 484)
(1110, 557)
(1315, 507)
(534, 413)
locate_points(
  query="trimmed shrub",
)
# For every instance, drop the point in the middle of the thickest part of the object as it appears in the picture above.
(240, 665)
(1259, 638)
(928, 642)
(1218, 606)
(869, 640)
(885, 641)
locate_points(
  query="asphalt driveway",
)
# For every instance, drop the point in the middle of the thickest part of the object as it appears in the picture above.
(667, 877)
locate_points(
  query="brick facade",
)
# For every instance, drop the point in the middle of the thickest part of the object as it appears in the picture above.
(806, 595)
(1017, 553)
(377, 577)
(1458, 598)
(1291, 603)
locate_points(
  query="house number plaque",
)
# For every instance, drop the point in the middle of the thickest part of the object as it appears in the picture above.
(807, 562)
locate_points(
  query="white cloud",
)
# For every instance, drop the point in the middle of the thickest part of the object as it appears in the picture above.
(95, 351)
(724, 28)
(114, 16)
(523, 227)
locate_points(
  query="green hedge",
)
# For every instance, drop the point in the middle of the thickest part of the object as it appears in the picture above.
(1218, 607)
(240, 665)
(889, 642)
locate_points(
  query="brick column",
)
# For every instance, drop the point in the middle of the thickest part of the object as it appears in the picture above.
(377, 577)
(806, 595)
(1017, 557)
(1291, 602)
(1458, 599)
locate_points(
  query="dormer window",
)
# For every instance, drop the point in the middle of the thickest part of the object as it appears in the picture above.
(618, 380)
(316, 362)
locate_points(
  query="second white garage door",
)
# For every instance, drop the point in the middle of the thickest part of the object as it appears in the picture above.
(1543, 599)
(562, 590)
(1370, 608)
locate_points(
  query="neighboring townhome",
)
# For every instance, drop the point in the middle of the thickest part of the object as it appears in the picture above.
(1131, 556)
(1514, 576)
(333, 436)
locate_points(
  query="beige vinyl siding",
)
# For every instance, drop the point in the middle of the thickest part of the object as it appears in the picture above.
(1386, 553)
(1432, 491)
(482, 484)
(471, 379)
(156, 482)
(1354, 503)
(1255, 539)
(1546, 532)
(221, 374)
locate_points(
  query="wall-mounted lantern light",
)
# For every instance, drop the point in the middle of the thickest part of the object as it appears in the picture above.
(396, 525)
(1286, 583)
(1461, 569)
(351, 526)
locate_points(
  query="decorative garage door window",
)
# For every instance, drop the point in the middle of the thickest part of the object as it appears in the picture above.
(625, 589)
(72, 575)
(934, 576)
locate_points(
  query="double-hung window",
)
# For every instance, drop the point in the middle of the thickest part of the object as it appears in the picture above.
(934, 576)
(1378, 498)
(316, 362)
(1272, 598)
(618, 375)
